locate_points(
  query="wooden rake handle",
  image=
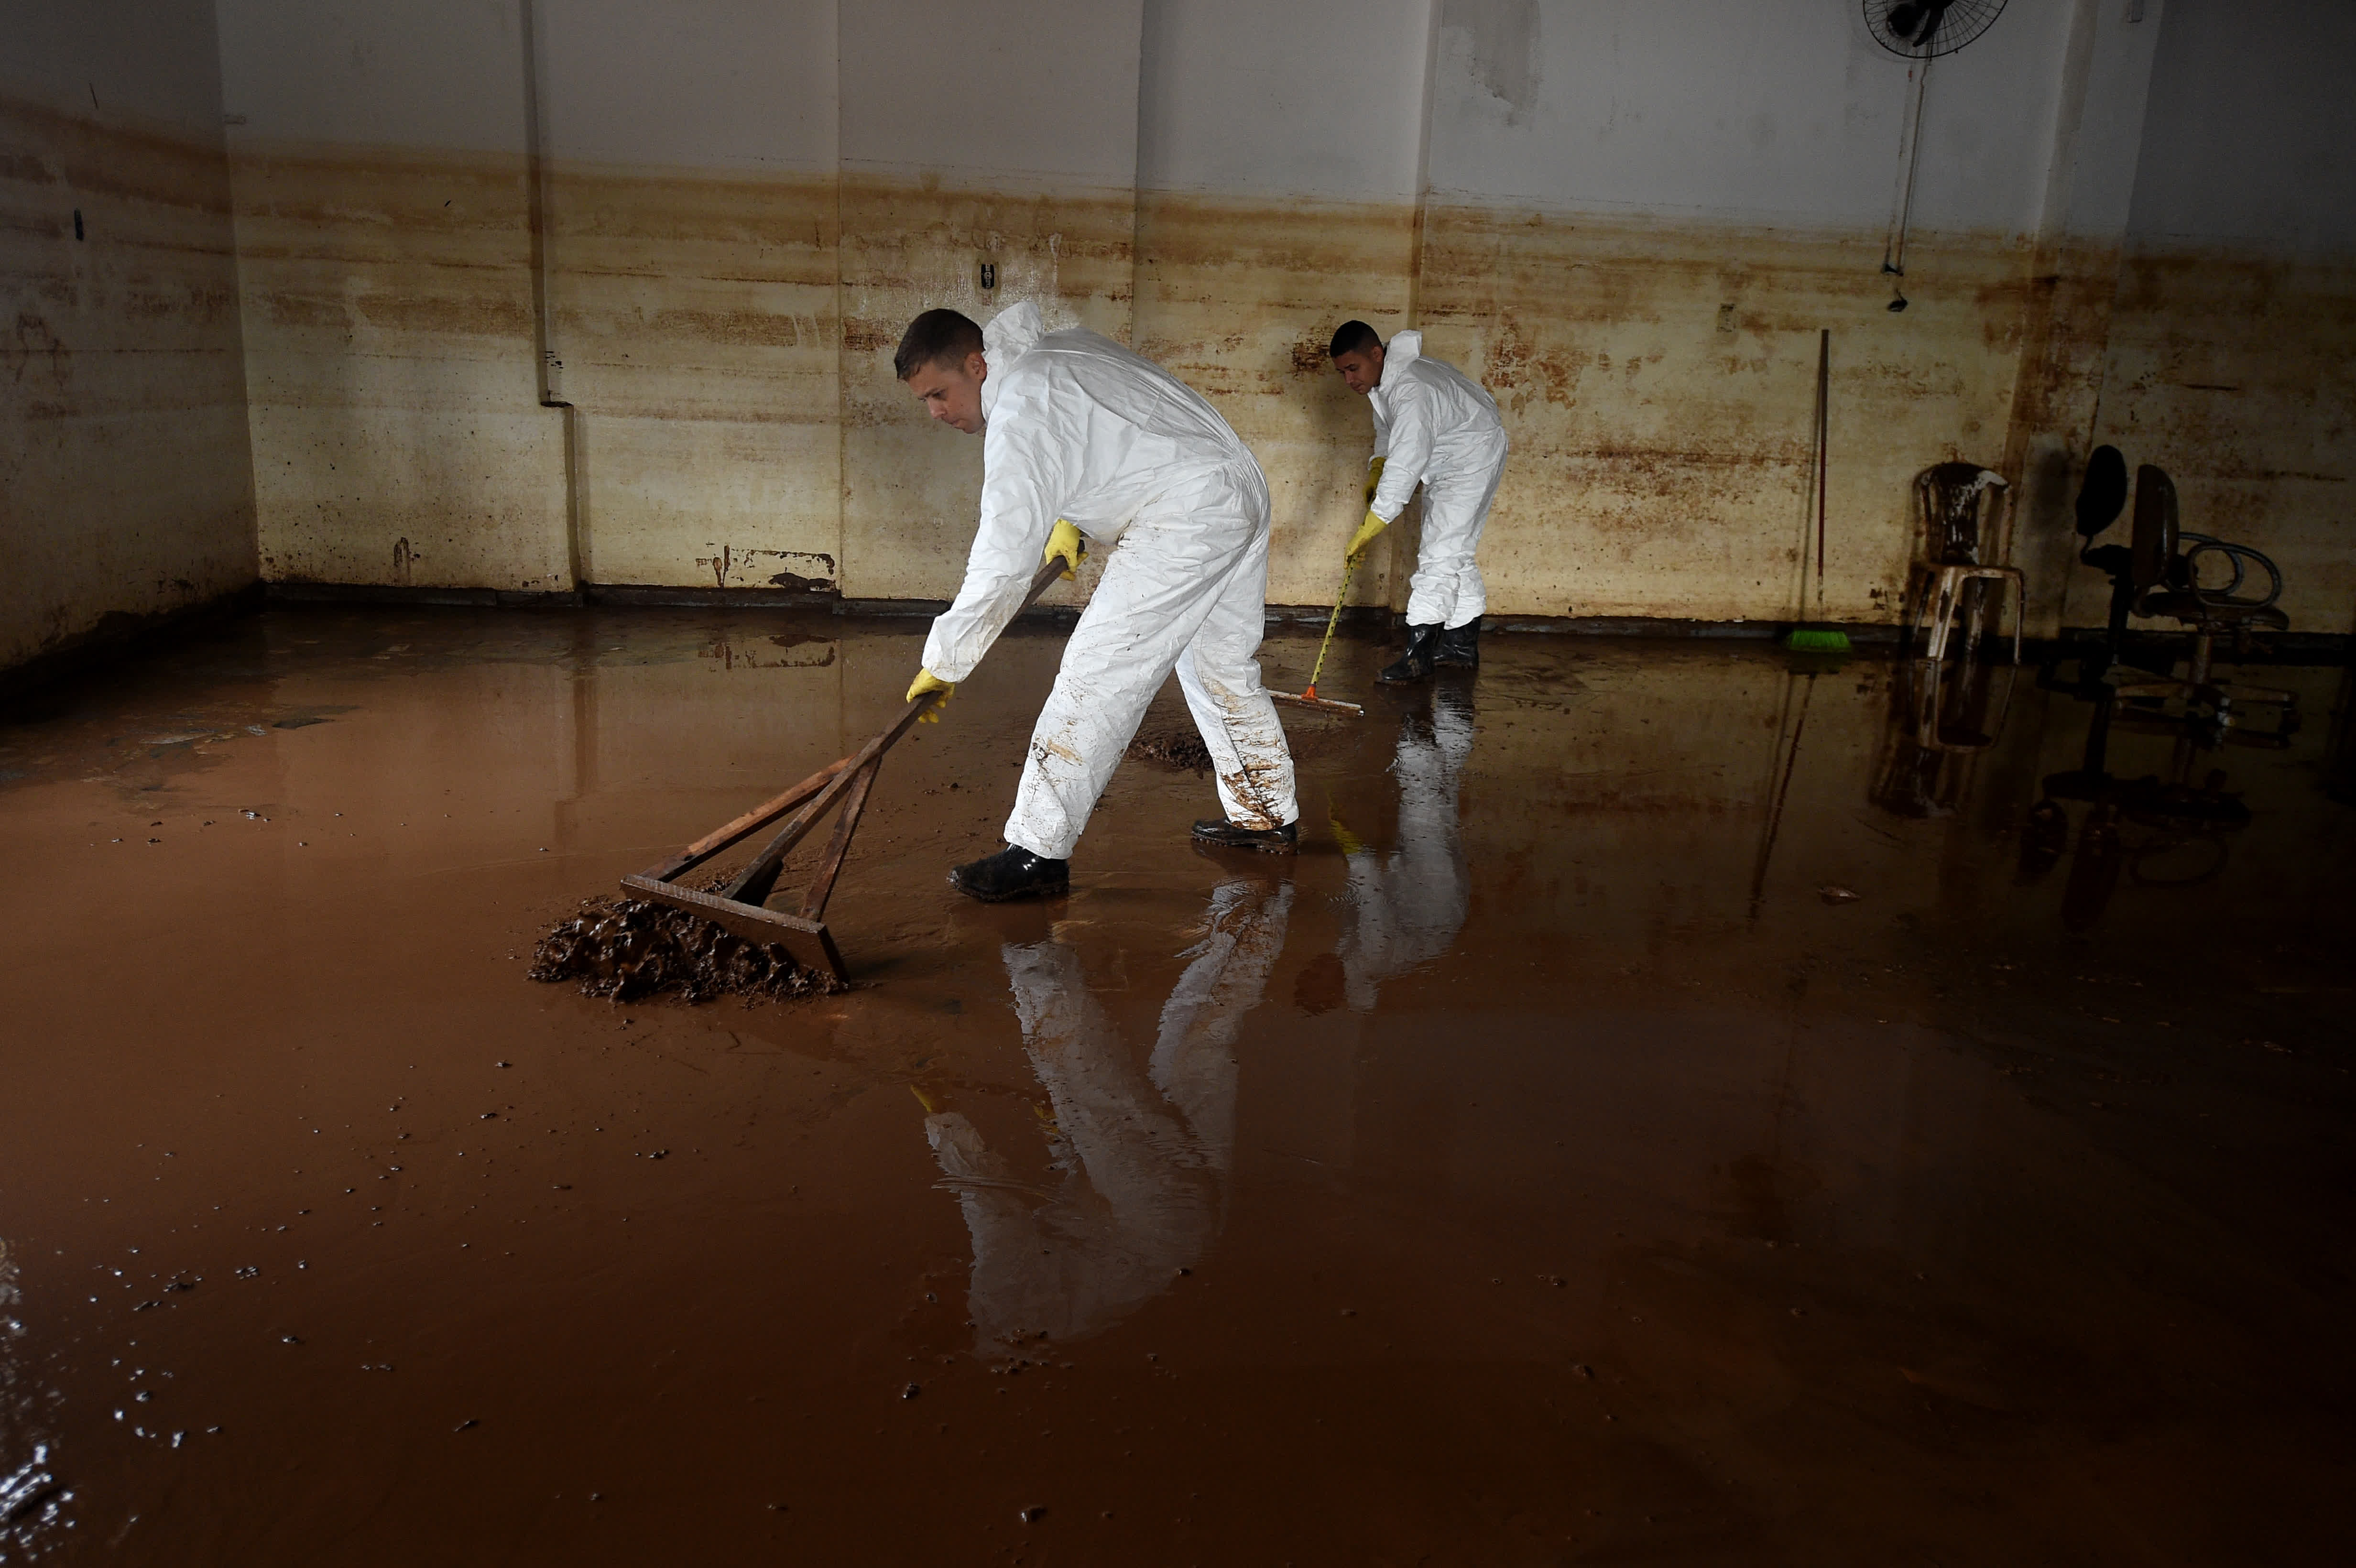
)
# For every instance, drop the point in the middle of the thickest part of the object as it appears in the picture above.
(846, 781)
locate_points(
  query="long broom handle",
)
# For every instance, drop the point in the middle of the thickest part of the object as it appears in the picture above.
(1349, 570)
(760, 875)
(1824, 453)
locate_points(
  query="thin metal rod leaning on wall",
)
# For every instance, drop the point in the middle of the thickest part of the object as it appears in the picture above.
(550, 372)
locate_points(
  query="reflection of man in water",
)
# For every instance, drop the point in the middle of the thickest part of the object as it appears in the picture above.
(1406, 907)
(1142, 1163)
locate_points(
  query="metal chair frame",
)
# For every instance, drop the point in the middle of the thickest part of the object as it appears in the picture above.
(1949, 494)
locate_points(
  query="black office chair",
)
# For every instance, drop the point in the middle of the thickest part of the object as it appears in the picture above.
(2158, 574)
(2100, 500)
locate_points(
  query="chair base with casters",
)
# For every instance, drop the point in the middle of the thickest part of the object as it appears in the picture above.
(1940, 608)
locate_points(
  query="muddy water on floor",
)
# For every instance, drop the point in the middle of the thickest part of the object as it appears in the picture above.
(1553, 1162)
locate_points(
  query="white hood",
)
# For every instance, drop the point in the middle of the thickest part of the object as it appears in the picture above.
(1008, 336)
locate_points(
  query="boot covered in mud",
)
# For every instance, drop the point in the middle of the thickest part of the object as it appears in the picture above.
(1012, 873)
(1459, 647)
(1422, 643)
(1218, 832)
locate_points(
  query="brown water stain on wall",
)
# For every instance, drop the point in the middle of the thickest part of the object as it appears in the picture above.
(1238, 300)
(695, 313)
(2062, 308)
(1660, 469)
(391, 355)
(910, 486)
(2237, 375)
(727, 342)
(125, 485)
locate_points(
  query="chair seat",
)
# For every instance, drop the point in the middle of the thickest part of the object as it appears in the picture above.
(2197, 609)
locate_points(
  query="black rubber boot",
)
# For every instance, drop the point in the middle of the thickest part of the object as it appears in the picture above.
(1416, 663)
(1460, 645)
(1012, 873)
(1226, 835)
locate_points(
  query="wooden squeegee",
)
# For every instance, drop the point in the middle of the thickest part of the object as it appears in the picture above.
(741, 906)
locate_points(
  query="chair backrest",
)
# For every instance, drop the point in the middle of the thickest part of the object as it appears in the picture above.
(1952, 494)
(2155, 525)
(2104, 492)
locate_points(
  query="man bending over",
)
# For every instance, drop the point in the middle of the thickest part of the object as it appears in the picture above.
(1080, 437)
(1437, 427)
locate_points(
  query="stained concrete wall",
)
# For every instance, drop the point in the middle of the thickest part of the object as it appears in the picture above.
(970, 134)
(2231, 357)
(125, 490)
(386, 252)
(1630, 222)
(547, 291)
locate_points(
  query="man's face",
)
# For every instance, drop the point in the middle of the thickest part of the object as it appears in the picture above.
(952, 393)
(1362, 369)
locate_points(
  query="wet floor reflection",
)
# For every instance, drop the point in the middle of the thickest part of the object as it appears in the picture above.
(1678, 1106)
(1141, 1156)
(35, 1503)
(2171, 831)
(1944, 717)
(1407, 901)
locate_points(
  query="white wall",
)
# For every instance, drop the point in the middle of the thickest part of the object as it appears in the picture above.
(1038, 95)
(691, 83)
(1314, 98)
(1765, 113)
(2251, 134)
(702, 84)
(155, 60)
(441, 74)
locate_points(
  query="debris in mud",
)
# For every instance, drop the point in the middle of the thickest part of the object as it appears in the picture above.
(627, 948)
(1174, 749)
(1833, 893)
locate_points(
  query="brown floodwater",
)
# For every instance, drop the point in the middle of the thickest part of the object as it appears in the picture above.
(1667, 1112)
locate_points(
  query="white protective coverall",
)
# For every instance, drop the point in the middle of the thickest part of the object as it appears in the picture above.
(1079, 428)
(1436, 425)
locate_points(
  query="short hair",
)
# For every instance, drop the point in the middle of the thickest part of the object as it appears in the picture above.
(935, 337)
(1353, 337)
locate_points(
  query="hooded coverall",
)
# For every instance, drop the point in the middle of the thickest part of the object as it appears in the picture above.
(1079, 428)
(1436, 425)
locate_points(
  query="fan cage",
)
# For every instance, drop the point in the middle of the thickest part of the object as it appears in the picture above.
(1923, 30)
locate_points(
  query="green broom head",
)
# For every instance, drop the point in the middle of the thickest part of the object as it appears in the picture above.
(1816, 640)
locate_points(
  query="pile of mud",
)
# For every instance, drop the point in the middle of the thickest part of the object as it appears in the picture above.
(627, 948)
(1174, 749)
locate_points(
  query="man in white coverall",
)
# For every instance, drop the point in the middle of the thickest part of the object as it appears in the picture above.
(1082, 437)
(1437, 427)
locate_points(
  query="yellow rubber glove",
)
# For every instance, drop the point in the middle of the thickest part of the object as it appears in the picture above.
(928, 681)
(1374, 479)
(1365, 536)
(1065, 542)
